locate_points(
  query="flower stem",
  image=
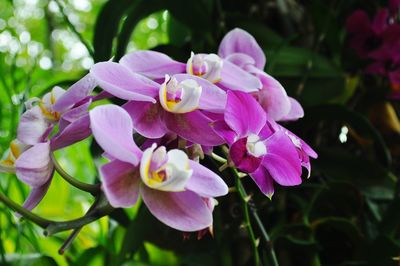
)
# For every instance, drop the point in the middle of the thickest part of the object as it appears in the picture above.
(92, 189)
(100, 208)
(218, 158)
(245, 207)
(42, 222)
(249, 205)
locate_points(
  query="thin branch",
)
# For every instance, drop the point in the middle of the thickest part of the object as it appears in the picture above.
(92, 189)
(72, 27)
(42, 222)
(100, 208)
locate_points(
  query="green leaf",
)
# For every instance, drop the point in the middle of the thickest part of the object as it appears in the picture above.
(106, 28)
(357, 122)
(339, 239)
(134, 236)
(374, 180)
(383, 251)
(138, 10)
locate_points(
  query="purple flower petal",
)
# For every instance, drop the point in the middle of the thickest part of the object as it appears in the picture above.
(282, 160)
(184, 211)
(380, 21)
(152, 64)
(243, 114)
(212, 98)
(205, 182)
(240, 41)
(120, 183)
(32, 126)
(272, 97)
(34, 166)
(264, 181)
(77, 92)
(224, 131)
(241, 60)
(296, 111)
(194, 127)
(147, 118)
(122, 83)
(74, 132)
(235, 78)
(36, 195)
(112, 128)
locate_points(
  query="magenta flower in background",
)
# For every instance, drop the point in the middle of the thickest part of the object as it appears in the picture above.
(378, 41)
(174, 188)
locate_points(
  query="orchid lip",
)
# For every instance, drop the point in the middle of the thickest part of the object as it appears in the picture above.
(165, 171)
(180, 97)
(207, 66)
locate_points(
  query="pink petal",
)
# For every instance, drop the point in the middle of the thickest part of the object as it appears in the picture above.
(36, 195)
(212, 98)
(358, 22)
(122, 83)
(32, 126)
(184, 211)
(272, 96)
(152, 64)
(34, 166)
(77, 92)
(205, 182)
(235, 78)
(72, 133)
(194, 127)
(243, 114)
(282, 160)
(112, 128)
(264, 181)
(241, 60)
(296, 111)
(240, 41)
(146, 118)
(120, 183)
(224, 131)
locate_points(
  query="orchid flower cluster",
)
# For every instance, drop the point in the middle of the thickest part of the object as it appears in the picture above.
(378, 41)
(182, 111)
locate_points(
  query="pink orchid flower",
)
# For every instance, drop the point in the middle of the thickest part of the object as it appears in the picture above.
(32, 165)
(211, 67)
(175, 106)
(241, 49)
(268, 155)
(29, 155)
(174, 188)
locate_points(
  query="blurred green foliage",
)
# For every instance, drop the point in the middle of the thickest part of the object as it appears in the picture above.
(346, 213)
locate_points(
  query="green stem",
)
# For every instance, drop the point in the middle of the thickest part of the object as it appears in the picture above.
(100, 208)
(218, 158)
(248, 225)
(74, 30)
(92, 189)
(245, 198)
(24, 212)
